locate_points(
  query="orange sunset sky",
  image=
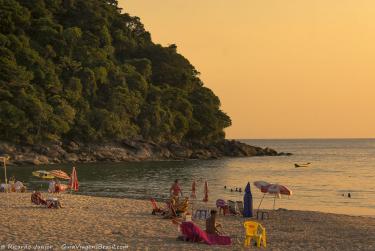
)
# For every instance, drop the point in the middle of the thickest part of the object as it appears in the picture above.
(282, 68)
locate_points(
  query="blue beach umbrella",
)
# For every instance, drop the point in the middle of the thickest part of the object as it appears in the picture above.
(248, 202)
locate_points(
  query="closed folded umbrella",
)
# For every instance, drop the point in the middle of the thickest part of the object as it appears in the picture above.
(248, 202)
(205, 199)
(73, 183)
(193, 195)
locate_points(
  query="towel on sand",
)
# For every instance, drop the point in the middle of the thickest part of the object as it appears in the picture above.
(193, 233)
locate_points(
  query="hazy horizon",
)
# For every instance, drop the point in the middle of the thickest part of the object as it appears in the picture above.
(282, 69)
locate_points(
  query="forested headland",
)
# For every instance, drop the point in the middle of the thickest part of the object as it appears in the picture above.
(86, 71)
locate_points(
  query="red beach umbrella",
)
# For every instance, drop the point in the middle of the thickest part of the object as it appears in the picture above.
(205, 199)
(73, 183)
(193, 195)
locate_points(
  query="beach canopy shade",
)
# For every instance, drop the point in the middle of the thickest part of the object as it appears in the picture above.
(205, 199)
(60, 174)
(73, 183)
(43, 174)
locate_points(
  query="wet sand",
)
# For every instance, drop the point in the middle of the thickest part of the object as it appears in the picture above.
(110, 223)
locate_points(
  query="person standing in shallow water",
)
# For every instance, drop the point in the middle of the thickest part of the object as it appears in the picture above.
(175, 189)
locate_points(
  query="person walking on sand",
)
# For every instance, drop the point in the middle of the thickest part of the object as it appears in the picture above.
(175, 189)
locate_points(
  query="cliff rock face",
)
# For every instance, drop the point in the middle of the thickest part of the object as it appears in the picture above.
(136, 150)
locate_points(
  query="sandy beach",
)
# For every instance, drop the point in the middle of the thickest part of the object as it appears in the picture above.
(90, 223)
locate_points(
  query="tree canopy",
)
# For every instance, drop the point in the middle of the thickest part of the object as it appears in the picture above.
(85, 70)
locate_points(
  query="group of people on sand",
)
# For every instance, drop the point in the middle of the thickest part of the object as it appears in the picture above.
(212, 227)
(13, 186)
(54, 186)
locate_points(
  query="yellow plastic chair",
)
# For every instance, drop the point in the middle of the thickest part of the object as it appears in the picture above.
(256, 231)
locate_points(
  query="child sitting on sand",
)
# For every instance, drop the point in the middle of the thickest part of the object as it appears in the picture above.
(211, 225)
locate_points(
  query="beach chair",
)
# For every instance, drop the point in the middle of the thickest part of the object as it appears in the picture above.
(222, 206)
(240, 206)
(232, 207)
(201, 214)
(155, 208)
(182, 207)
(256, 231)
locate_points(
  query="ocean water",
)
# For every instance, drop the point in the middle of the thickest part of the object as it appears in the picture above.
(339, 167)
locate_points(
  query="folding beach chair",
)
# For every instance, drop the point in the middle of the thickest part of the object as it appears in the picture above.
(240, 206)
(232, 207)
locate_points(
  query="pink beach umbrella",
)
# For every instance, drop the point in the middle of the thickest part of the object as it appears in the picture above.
(262, 185)
(73, 183)
(205, 199)
(279, 189)
(274, 189)
(193, 195)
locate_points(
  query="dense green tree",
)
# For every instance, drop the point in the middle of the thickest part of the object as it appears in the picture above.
(84, 70)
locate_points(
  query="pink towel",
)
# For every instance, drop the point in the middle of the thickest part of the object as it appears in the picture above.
(193, 233)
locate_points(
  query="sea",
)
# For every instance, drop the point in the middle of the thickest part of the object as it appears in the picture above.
(338, 167)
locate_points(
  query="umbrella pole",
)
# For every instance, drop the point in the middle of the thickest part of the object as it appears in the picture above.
(274, 200)
(5, 174)
(260, 203)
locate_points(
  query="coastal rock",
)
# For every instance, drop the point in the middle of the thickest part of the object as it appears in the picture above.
(238, 149)
(43, 160)
(129, 150)
(7, 149)
(71, 157)
(72, 147)
(180, 151)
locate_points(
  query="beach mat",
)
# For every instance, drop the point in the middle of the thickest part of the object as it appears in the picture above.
(193, 233)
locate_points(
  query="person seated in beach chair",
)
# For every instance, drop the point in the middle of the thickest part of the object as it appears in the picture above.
(36, 198)
(176, 208)
(171, 213)
(240, 207)
(182, 207)
(211, 226)
(222, 206)
(232, 207)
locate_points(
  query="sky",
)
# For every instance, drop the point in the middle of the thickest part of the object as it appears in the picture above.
(282, 69)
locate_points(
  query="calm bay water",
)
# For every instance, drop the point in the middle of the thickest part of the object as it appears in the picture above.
(338, 166)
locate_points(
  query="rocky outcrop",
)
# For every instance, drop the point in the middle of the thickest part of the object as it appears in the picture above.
(128, 150)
